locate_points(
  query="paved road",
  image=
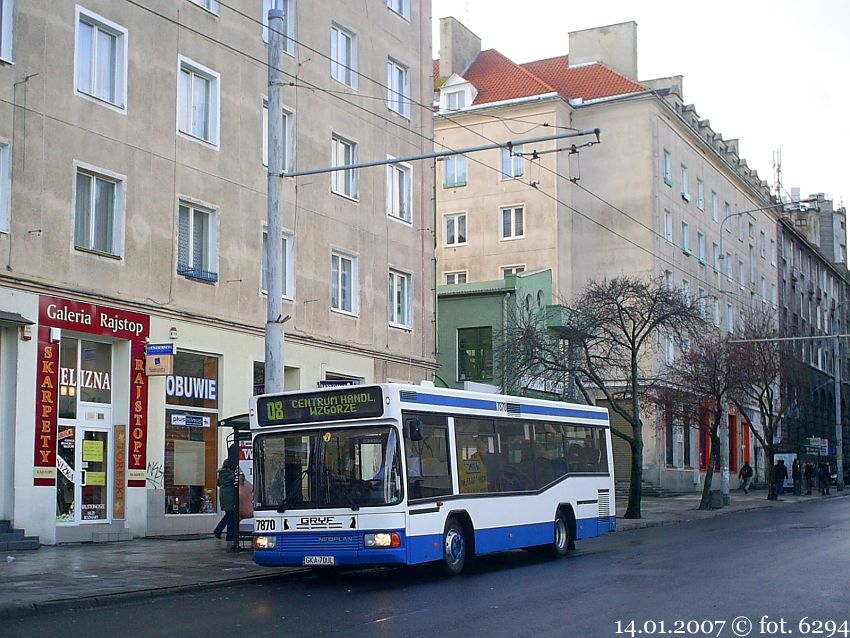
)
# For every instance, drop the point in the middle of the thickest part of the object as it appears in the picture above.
(786, 563)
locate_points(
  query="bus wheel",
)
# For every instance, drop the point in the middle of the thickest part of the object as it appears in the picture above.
(561, 543)
(454, 548)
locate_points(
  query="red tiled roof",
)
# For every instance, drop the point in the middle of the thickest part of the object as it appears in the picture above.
(497, 78)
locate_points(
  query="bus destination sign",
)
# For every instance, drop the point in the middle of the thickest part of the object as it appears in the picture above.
(352, 402)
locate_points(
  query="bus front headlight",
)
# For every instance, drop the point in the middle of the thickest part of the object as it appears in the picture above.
(382, 539)
(264, 542)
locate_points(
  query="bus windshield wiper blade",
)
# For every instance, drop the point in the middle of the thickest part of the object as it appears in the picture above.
(282, 507)
(351, 502)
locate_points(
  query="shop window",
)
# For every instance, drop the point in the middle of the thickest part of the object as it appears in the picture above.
(191, 419)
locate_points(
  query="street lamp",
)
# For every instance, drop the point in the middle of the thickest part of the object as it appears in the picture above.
(724, 418)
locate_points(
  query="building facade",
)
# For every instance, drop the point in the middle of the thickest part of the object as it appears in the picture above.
(661, 195)
(133, 212)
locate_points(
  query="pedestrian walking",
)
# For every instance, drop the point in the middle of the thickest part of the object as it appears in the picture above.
(809, 475)
(797, 476)
(823, 477)
(745, 474)
(228, 500)
(780, 473)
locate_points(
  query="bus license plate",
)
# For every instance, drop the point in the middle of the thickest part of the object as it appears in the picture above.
(319, 560)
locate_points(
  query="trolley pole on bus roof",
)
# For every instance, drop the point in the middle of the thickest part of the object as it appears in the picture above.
(274, 364)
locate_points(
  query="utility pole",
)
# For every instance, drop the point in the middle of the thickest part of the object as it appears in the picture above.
(839, 437)
(274, 368)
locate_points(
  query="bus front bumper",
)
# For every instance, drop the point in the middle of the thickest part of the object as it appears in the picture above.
(331, 549)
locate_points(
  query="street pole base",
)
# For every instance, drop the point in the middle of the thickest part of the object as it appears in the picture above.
(726, 500)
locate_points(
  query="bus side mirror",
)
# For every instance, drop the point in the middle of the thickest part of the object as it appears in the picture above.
(413, 429)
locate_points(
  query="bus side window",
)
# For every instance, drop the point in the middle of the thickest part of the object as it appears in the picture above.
(427, 460)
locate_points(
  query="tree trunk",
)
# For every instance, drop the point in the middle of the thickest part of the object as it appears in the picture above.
(705, 501)
(633, 508)
(771, 481)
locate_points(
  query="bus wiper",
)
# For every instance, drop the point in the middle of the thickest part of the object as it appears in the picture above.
(291, 491)
(351, 502)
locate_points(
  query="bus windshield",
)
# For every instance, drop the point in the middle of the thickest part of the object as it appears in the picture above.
(327, 468)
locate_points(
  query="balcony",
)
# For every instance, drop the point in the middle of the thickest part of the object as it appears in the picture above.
(197, 273)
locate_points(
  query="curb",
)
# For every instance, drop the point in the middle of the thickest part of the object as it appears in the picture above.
(24, 610)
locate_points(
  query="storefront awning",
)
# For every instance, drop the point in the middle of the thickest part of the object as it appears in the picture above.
(14, 319)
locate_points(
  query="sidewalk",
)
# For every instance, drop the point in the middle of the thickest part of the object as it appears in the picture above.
(88, 575)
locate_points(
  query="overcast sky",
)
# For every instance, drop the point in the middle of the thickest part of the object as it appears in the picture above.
(774, 74)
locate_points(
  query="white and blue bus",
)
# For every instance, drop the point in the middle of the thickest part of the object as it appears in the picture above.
(396, 474)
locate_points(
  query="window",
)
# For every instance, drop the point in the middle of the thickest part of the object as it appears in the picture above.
(475, 353)
(511, 162)
(668, 280)
(101, 62)
(513, 222)
(343, 56)
(455, 229)
(715, 256)
(344, 283)
(772, 252)
(763, 289)
(198, 102)
(428, 470)
(455, 100)
(773, 296)
(99, 212)
(700, 195)
(287, 141)
(7, 18)
(686, 195)
(507, 271)
(686, 239)
(740, 228)
(398, 88)
(455, 171)
(668, 226)
(288, 7)
(209, 5)
(287, 273)
(701, 247)
(727, 211)
(669, 351)
(686, 290)
(715, 311)
(398, 299)
(728, 265)
(668, 168)
(730, 319)
(399, 196)
(751, 231)
(752, 263)
(344, 152)
(5, 185)
(701, 300)
(715, 214)
(196, 246)
(742, 276)
(456, 277)
(762, 244)
(401, 7)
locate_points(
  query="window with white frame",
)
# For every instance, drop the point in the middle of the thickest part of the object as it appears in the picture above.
(401, 7)
(772, 252)
(686, 195)
(343, 56)
(196, 243)
(669, 352)
(101, 59)
(701, 247)
(686, 290)
(209, 5)
(288, 8)
(762, 244)
(751, 233)
(511, 162)
(715, 213)
(700, 195)
(668, 168)
(507, 271)
(742, 273)
(399, 195)
(752, 263)
(668, 226)
(686, 238)
(715, 311)
(5, 185)
(287, 275)
(773, 295)
(701, 300)
(715, 256)
(454, 229)
(458, 277)
(455, 100)
(398, 297)
(727, 211)
(344, 282)
(728, 265)
(513, 222)
(198, 99)
(730, 318)
(287, 142)
(763, 289)
(668, 280)
(7, 21)
(344, 153)
(99, 211)
(455, 171)
(398, 87)
(740, 228)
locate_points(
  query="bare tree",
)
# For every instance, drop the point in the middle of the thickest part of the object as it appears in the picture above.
(606, 338)
(760, 358)
(700, 380)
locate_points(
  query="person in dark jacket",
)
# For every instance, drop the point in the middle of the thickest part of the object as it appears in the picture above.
(823, 477)
(809, 475)
(797, 475)
(746, 476)
(228, 496)
(780, 473)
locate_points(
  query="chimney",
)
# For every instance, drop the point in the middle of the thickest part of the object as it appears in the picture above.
(614, 45)
(458, 47)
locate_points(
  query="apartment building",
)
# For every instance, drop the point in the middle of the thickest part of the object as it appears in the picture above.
(133, 177)
(661, 195)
